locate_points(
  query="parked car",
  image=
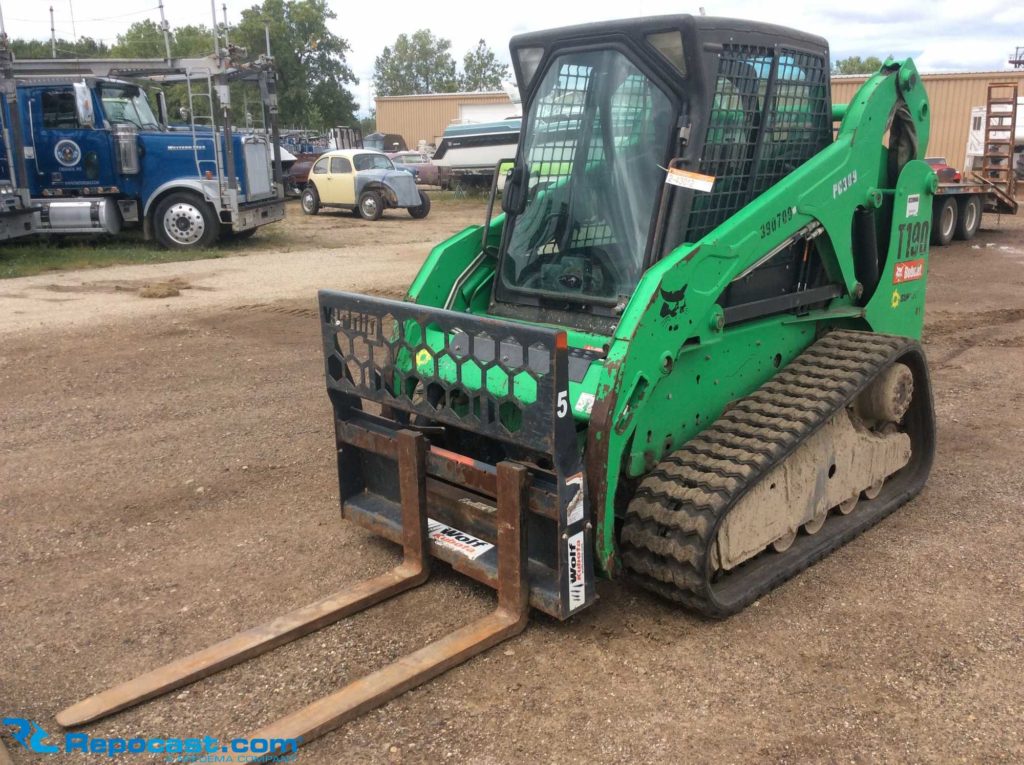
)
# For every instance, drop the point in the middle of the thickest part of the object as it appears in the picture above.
(384, 142)
(297, 175)
(420, 165)
(364, 181)
(943, 170)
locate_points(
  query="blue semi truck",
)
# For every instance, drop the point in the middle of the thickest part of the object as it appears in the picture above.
(83, 150)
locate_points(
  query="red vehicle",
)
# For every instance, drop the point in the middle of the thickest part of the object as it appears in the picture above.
(297, 176)
(425, 171)
(943, 170)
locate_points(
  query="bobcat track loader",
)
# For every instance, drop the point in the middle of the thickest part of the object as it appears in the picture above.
(685, 353)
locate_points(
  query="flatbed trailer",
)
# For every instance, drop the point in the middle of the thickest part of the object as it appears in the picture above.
(957, 208)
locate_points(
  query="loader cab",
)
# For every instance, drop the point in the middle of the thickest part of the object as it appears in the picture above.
(637, 137)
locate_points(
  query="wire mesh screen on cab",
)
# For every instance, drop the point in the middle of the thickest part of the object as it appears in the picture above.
(770, 114)
(564, 111)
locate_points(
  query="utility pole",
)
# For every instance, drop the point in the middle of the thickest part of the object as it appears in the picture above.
(224, 9)
(53, 36)
(166, 29)
(1017, 59)
(216, 37)
(266, 34)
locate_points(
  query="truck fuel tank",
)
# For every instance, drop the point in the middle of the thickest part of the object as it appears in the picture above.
(79, 216)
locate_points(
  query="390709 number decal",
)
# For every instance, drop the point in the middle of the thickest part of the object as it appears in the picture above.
(771, 225)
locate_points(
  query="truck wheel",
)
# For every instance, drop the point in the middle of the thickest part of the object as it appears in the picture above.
(944, 221)
(371, 206)
(310, 200)
(421, 210)
(184, 220)
(969, 218)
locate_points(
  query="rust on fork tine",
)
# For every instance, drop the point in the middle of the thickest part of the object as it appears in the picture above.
(507, 620)
(412, 572)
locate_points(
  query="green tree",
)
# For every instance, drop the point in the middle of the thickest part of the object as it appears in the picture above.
(369, 124)
(86, 47)
(312, 73)
(192, 41)
(416, 64)
(857, 65)
(143, 39)
(481, 69)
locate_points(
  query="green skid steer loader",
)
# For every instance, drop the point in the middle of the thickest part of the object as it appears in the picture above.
(685, 354)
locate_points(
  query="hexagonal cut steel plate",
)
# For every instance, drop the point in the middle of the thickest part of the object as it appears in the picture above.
(486, 375)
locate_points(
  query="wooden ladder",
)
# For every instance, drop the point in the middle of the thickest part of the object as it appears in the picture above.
(997, 156)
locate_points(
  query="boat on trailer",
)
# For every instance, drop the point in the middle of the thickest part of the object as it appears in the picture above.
(468, 153)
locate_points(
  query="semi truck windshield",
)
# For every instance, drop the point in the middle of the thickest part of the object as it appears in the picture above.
(127, 103)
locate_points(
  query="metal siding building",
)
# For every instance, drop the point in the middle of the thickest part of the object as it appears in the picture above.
(951, 97)
(425, 117)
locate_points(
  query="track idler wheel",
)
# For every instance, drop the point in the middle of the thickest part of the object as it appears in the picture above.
(814, 525)
(888, 397)
(784, 542)
(847, 507)
(874, 489)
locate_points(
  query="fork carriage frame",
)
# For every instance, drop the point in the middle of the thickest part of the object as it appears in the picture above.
(478, 371)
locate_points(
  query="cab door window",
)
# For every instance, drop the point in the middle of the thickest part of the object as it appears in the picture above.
(59, 111)
(320, 167)
(340, 165)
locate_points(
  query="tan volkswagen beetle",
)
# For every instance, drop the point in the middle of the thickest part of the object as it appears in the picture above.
(362, 180)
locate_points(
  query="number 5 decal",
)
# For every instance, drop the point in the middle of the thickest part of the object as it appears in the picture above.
(563, 403)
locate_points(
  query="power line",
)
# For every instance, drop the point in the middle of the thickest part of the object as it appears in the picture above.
(84, 21)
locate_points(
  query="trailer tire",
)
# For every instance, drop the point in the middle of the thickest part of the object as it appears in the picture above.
(968, 219)
(944, 221)
(184, 220)
(310, 200)
(420, 211)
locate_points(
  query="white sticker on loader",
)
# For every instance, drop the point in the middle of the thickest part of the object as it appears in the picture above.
(585, 403)
(688, 180)
(456, 540)
(577, 581)
(913, 205)
(575, 511)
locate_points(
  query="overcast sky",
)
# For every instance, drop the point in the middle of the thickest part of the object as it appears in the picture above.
(942, 35)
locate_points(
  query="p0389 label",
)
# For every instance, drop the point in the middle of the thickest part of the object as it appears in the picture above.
(577, 575)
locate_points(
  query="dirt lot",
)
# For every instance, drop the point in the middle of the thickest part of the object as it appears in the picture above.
(285, 261)
(165, 482)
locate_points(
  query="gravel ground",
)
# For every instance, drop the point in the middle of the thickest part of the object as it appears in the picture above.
(165, 483)
(334, 248)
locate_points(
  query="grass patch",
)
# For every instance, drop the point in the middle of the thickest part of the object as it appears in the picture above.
(30, 256)
(472, 195)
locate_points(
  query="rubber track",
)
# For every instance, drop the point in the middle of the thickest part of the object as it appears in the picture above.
(673, 519)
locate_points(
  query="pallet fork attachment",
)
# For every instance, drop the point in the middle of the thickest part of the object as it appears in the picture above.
(507, 620)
